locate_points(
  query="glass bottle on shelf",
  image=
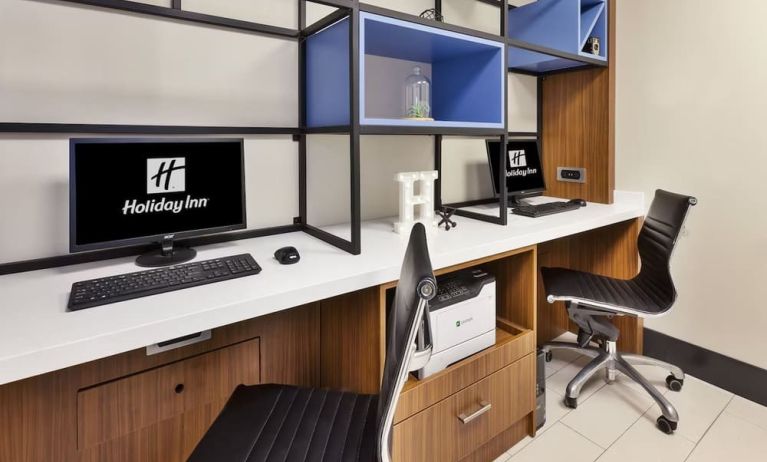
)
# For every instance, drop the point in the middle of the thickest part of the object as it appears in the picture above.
(417, 96)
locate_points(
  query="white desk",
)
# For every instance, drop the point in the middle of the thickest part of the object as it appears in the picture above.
(38, 335)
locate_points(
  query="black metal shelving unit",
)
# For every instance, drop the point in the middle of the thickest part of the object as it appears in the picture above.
(344, 9)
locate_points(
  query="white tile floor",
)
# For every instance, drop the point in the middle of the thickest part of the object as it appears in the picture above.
(616, 423)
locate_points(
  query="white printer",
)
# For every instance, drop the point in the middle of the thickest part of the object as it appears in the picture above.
(461, 318)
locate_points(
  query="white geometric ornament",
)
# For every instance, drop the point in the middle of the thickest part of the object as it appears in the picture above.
(409, 201)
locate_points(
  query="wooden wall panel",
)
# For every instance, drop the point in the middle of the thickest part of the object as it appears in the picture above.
(576, 133)
(611, 54)
(610, 251)
(579, 128)
(353, 341)
(516, 289)
(552, 319)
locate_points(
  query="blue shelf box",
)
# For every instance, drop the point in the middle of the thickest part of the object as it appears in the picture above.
(467, 74)
(563, 26)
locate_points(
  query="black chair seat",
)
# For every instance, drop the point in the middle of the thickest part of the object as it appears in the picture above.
(263, 423)
(286, 423)
(635, 294)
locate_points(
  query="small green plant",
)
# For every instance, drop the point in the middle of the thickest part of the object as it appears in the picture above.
(419, 110)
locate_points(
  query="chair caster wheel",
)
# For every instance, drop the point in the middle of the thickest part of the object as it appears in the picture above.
(673, 383)
(666, 426)
(572, 403)
(548, 357)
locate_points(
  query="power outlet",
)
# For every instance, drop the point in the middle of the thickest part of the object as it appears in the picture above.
(571, 174)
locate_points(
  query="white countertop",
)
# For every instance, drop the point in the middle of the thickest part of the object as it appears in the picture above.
(38, 335)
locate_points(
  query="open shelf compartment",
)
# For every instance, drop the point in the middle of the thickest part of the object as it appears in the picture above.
(467, 76)
(551, 35)
(516, 297)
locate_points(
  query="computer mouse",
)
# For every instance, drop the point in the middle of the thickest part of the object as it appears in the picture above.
(580, 202)
(287, 255)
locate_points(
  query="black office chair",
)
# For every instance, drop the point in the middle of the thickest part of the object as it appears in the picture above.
(591, 300)
(289, 423)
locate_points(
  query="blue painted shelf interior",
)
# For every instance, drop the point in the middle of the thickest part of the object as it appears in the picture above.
(563, 26)
(327, 76)
(538, 63)
(467, 75)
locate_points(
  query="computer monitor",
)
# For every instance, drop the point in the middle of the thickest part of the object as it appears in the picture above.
(524, 171)
(126, 192)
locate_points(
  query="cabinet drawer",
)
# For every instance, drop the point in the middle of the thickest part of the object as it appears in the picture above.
(185, 394)
(437, 433)
(511, 345)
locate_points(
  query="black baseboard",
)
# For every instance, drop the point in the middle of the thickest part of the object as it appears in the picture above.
(735, 376)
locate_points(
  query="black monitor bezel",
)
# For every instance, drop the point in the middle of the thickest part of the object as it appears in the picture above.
(493, 175)
(152, 239)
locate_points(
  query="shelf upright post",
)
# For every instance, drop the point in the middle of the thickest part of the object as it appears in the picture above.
(438, 168)
(354, 132)
(503, 198)
(302, 214)
(539, 115)
(438, 143)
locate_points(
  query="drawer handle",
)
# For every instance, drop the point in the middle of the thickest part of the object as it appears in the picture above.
(179, 388)
(485, 406)
(179, 342)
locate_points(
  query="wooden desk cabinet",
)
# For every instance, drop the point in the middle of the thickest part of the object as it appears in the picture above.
(437, 432)
(169, 407)
(134, 407)
(426, 426)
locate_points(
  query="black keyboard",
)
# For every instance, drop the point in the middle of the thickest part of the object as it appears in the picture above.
(540, 210)
(95, 292)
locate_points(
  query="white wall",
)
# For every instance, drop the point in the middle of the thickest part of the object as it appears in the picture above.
(691, 104)
(64, 63)
(60, 62)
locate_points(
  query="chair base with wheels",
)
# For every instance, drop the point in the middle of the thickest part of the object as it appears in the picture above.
(605, 356)
(592, 300)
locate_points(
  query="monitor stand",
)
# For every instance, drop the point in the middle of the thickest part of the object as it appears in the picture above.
(166, 255)
(515, 201)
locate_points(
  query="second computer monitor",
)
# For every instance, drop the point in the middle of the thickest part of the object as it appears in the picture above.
(524, 171)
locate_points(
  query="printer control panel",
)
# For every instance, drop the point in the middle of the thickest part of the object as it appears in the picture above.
(456, 287)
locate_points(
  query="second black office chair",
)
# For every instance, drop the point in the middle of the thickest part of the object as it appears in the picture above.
(262, 423)
(592, 299)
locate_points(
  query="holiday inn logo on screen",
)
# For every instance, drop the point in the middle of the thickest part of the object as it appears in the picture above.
(166, 175)
(518, 164)
(517, 159)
